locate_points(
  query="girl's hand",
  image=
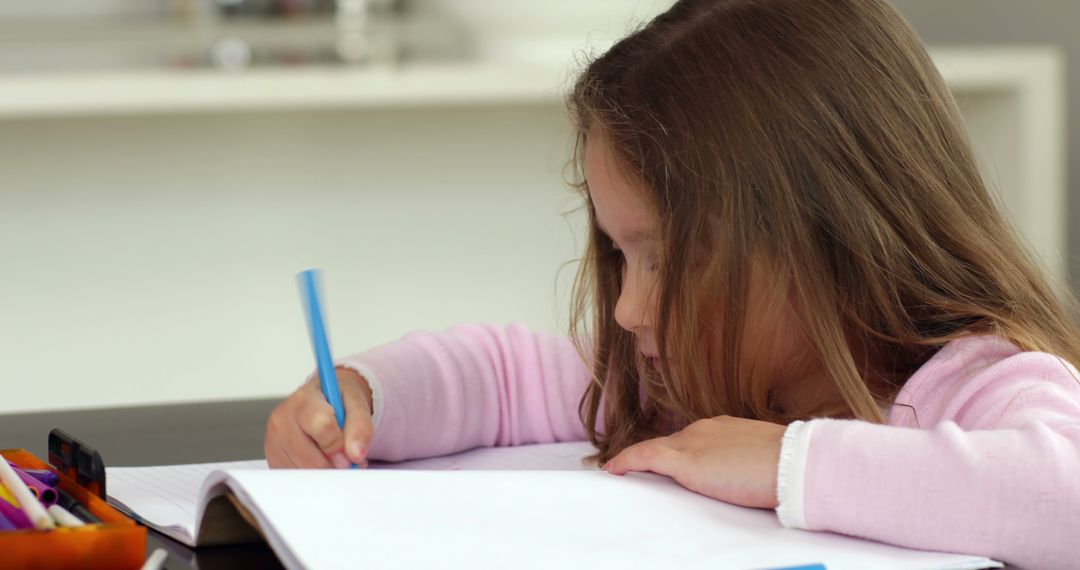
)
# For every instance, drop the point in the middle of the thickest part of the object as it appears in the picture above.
(731, 459)
(302, 431)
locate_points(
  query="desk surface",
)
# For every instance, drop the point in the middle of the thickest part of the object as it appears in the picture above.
(160, 435)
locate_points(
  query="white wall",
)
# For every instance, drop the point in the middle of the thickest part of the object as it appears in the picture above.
(152, 259)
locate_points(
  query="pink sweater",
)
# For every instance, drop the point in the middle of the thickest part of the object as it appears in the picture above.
(981, 454)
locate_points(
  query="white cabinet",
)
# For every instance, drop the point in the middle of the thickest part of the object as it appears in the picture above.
(1013, 101)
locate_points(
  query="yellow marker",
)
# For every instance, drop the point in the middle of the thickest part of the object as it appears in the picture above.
(7, 496)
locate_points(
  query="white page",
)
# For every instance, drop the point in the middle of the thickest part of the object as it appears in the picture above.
(408, 519)
(166, 497)
(477, 509)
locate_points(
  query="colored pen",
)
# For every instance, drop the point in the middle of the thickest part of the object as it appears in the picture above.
(33, 509)
(155, 560)
(43, 492)
(320, 344)
(12, 512)
(6, 524)
(75, 507)
(50, 478)
(64, 518)
(6, 495)
(45, 476)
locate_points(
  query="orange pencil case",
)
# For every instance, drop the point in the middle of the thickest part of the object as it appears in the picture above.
(115, 542)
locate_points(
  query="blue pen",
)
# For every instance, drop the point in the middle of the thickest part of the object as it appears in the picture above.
(309, 293)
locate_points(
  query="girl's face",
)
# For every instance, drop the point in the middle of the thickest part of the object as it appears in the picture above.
(633, 228)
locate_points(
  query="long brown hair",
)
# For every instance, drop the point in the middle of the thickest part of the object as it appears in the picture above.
(813, 141)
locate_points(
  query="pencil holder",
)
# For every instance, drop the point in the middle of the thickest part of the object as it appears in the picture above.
(115, 542)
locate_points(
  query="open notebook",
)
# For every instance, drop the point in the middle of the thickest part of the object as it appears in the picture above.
(166, 498)
(523, 507)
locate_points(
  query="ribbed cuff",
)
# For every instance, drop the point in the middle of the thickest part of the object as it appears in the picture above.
(791, 475)
(376, 390)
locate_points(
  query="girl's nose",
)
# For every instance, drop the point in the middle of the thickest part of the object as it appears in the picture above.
(630, 309)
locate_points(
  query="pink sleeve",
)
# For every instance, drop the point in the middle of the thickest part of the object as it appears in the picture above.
(470, 386)
(1011, 493)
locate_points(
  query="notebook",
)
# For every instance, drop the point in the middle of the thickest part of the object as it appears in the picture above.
(524, 507)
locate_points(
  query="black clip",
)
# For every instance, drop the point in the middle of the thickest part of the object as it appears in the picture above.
(78, 461)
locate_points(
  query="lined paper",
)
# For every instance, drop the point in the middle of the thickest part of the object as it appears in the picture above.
(166, 497)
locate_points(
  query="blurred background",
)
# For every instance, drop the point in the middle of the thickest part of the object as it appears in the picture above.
(168, 166)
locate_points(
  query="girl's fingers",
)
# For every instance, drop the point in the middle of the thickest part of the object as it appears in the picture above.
(651, 455)
(274, 457)
(358, 427)
(303, 432)
(277, 432)
(278, 458)
(303, 450)
(307, 457)
(317, 420)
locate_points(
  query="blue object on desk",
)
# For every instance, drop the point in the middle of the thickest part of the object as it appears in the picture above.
(806, 567)
(309, 293)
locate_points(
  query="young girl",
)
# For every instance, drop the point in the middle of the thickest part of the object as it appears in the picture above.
(798, 295)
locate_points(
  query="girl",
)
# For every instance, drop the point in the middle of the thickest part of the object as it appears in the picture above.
(798, 294)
